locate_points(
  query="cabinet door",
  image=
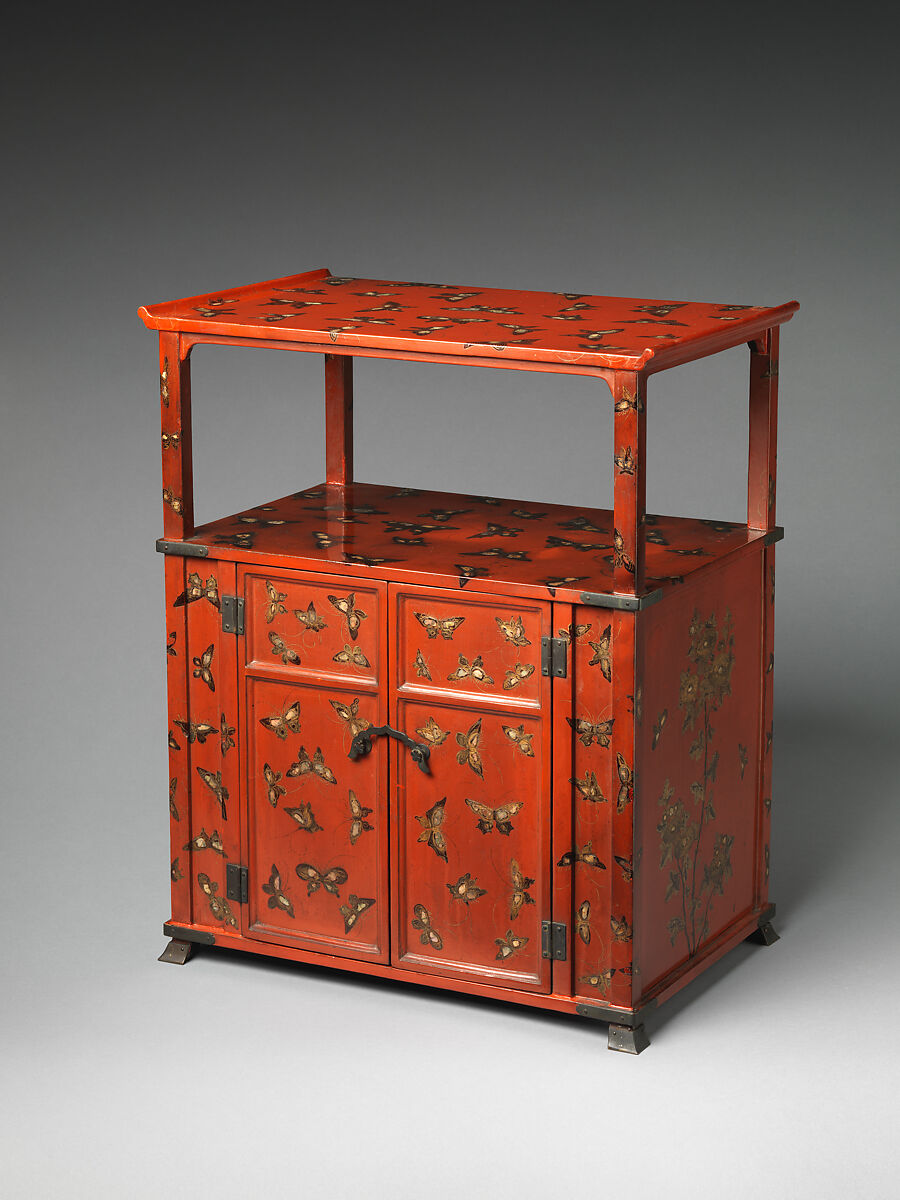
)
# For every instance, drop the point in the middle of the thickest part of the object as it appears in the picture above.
(316, 847)
(471, 838)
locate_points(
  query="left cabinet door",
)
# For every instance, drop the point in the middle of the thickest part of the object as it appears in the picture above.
(312, 675)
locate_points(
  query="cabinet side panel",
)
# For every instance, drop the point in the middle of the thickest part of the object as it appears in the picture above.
(766, 730)
(698, 766)
(179, 750)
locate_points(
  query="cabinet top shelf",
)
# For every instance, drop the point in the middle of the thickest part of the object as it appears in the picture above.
(555, 331)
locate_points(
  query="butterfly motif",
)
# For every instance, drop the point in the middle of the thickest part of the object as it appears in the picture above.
(309, 618)
(175, 870)
(164, 382)
(583, 854)
(274, 790)
(288, 720)
(358, 813)
(492, 530)
(354, 909)
(277, 898)
(555, 543)
(742, 755)
(203, 667)
(658, 726)
(198, 590)
(655, 538)
(520, 885)
(429, 936)
(173, 809)
(282, 650)
(330, 880)
(323, 542)
(590, 731)
(432, 733)
(433, 626)
(620, 558)
(474, 670)
(311, 766)
(346, 605)
(367, 560)
(507, 946)
(585, 524)
(626, 784)
(241, 541)
(496, 552)
(220, 907)
(443, 515)
(552, 582)
(621, 930)
(432, 834)
(573, 632)
(421, 666)
(513, 630)
(352, 655)
(602, 657)
(173, 745)
(517, 674)
(213, 781)
(275, 605)
(174, 502)
(304, 817)
(349, 714)
(466, 573)
(170, 644)
(225, 731)
(468, 752)
(412, 528)
(590, 788)
(600, 980)
(195, 733)
(465, 889)
(520, 738)
(489, 817)
(583, 921)
(626, 866)
(206, 841)
(625, 461)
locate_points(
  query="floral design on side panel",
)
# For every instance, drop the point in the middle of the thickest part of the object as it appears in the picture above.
(704, 688)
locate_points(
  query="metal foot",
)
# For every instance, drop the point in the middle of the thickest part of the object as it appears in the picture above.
(628, 1040)
(176, 952)
(765, 934)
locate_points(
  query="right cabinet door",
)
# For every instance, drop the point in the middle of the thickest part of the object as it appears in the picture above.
(472, 837)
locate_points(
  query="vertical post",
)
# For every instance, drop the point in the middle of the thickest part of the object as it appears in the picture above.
(177, 458)
(630, 494)
(338, 419)
(761, 471)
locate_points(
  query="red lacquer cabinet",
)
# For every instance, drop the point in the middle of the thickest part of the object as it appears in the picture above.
(513, 749)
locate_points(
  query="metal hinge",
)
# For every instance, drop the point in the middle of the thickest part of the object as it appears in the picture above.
(554, 656)
(553, 940)
(233, 614)
(237, 884)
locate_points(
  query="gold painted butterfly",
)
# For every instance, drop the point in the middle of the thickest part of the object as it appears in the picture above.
(354, 909)
(352, 655)
(274, 790)
(174, 502)
(206, 841)
(429, 936)
(277, 898)
(432, 834)
(421, 666)
(349, 715)
(198, 590)
(311, 766)
(507, 946)
(346, 605)
(590, 731)
(625, 461)
(287, 721)
(621, 930)
(590, 788)
(574, 632)
(493, 530)
(628, 403)
(583, 921)
(742, 756)
(516, 675)
(620, 558)
(520, 738)
(195, 733)
(330, 880)
(600, 980)
(466, 573)
(584, 854)
(276, 602)
(164, 382)
(432, 733)
(358, 822)
(474, 670)
(282, 650)
(170, 645)
(304, 817)
(522, 514)
(626, 867)
(433, 626)
(309, 618)
(213, 781)
(323, 542)
(513, 630)
(602, 658)
(225, 731)
(173, 809)
(658, 726)
(175, 870)
(520, 885)
(203, 667)
(469, 753)
(220, 907)
(465, 889)
(173, 745)
(626, 783)
(489, 817)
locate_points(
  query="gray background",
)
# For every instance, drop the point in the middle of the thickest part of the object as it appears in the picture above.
(727, 153)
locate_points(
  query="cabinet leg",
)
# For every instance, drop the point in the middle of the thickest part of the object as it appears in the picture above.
(765, 934)
(176, 952)
(627, 1039)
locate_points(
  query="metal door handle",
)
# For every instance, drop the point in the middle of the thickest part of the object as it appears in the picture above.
(362, 744)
